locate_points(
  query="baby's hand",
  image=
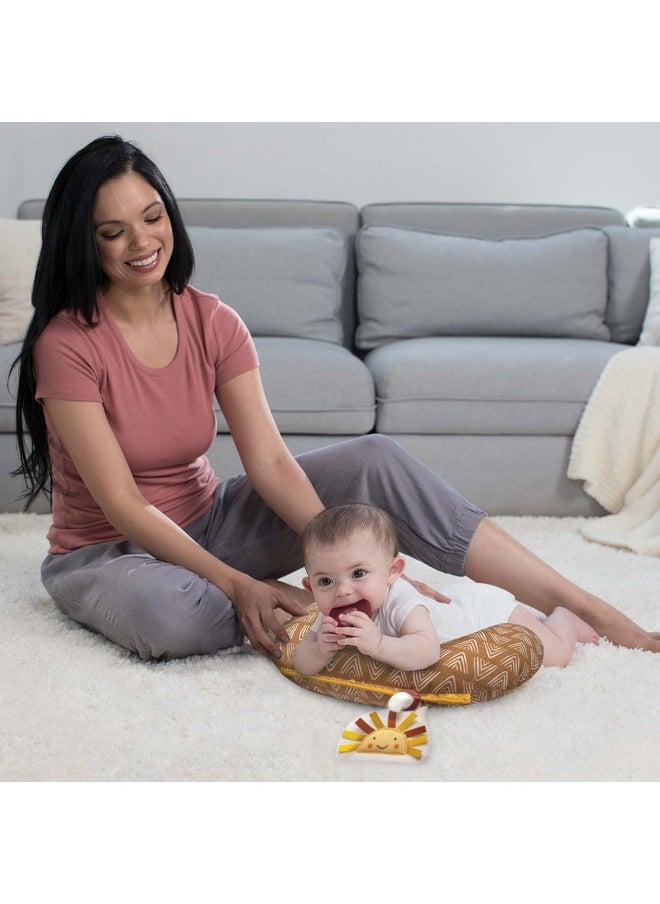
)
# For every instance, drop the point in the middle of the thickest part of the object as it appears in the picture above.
(328, 635)
(359, 631)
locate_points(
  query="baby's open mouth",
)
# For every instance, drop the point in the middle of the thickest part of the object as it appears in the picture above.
(360, 606)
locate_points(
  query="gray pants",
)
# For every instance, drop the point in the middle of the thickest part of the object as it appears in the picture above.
(160, 611)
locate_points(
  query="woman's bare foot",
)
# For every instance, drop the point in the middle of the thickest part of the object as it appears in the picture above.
(495, 557)
(621, 630)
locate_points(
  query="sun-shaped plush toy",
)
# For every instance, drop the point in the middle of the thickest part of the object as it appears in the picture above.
(397, 734)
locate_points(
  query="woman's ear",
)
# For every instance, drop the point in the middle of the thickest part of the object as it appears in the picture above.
(307, 584)
(396, 569)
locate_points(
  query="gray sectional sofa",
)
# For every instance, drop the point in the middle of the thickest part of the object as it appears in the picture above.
(472, 334)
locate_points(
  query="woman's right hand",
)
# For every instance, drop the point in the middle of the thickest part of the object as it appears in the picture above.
(256, 603)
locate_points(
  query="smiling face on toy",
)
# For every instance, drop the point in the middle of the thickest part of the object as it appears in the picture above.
(384, 740)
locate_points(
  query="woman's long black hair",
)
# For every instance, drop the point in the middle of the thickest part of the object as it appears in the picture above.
(68, 275)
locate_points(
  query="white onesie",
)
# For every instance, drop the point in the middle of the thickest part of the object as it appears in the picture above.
(473, 607)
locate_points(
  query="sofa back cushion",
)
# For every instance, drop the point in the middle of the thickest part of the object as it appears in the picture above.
(489, 221)
(306, 283)
(413, 283)
(283, 282)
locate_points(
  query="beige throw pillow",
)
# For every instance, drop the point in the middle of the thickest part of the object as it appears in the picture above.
(20, 243)
(651, 327)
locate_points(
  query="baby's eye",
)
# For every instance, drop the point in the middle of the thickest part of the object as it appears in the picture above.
(325, 582)
(359, 573)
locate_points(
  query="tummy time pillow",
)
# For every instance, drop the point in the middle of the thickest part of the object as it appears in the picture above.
(486, 665)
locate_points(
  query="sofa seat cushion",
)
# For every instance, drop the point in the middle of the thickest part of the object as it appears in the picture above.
(413, 284)
(485, 385)
(314, 387)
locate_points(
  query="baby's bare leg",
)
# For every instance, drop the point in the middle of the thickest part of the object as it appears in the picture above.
(558, 633)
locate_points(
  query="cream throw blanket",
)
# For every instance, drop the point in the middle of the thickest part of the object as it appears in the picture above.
(616, 451)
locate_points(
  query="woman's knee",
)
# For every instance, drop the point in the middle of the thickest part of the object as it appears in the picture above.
(180, 625)
(348, 469)
(152, 609)
(375, 447)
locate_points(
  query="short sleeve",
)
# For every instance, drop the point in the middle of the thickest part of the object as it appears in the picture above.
(236, 350)
(65, 364)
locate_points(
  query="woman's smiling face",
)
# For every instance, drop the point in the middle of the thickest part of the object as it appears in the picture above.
(133, 233)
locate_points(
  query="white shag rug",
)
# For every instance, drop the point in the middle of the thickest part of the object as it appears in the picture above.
(75, 708)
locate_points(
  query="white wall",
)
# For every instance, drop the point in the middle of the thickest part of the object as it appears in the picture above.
(609, 164)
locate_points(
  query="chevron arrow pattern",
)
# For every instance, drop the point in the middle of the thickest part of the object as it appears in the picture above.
(486, 665)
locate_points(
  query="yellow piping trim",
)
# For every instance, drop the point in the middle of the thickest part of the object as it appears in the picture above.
(447, 699)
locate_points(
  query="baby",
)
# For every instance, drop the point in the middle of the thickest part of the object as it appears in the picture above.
(352, 563)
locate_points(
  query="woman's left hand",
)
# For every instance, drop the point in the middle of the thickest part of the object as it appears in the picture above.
(298, 600)
(261, 608)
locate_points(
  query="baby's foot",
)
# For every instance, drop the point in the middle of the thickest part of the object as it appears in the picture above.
(585, 633)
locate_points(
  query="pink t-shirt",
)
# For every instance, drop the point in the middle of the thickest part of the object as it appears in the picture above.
(162, 417)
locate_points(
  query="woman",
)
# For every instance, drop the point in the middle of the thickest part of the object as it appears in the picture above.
(117, 376)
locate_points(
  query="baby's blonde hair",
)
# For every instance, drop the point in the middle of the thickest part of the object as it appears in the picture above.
(339, 522)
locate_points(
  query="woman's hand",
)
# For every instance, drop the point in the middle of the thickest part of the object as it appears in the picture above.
(259, 607)
(425, 590)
